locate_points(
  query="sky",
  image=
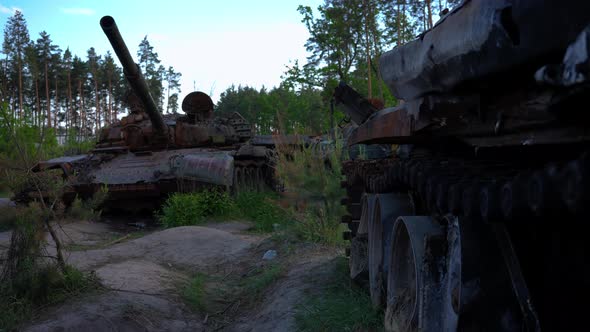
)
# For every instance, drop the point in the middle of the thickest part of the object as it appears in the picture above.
(213, 43)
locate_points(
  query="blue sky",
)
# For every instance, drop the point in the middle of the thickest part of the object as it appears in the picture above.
(212, 43)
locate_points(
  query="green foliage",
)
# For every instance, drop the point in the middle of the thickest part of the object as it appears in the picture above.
(75, 144)
(261, 279)
(88, 209)
(262, 209)
(283, 108)
(313, 175)
(194, 292)
(184, 209)
(339, 306)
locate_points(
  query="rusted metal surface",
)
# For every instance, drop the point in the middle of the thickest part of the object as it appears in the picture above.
(213, 167)
(198, 106)
(272, 140)
(481, 38)
(357, 107)
(387, 126)
(51, 163)
(152, 167)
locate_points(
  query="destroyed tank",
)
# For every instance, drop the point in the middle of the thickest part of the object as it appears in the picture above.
(477, 218)
(146, 155)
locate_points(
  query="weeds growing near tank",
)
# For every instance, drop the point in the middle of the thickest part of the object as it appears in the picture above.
(340, 306)
(88, 209)
(184, 209)
(262, 209)
(312, 176)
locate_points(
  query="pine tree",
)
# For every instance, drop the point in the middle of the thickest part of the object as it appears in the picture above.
(67, 67)
(173, 81)
(33, 65)
(46, 51)
(16, 39)
(93, 65)
(153, 74)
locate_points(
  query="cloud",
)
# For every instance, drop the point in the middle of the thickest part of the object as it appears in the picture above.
(78, 11)
(7, 10)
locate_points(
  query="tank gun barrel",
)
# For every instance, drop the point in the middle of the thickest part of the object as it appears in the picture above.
(133, 73)
(356, 106)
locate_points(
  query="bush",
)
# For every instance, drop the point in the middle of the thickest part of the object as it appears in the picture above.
(185, 209)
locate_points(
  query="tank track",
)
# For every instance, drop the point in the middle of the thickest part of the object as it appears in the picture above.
(504, 213)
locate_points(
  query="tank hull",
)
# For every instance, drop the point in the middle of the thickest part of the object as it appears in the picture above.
(493, 154)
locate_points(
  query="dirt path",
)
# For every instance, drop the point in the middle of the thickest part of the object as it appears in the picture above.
(144, 277)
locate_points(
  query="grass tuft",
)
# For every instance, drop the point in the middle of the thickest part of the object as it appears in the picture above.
(194, 292)
(261, 279)
(340, 306)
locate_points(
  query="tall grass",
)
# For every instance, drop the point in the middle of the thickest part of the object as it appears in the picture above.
(184, 209)
(339, 306)
(313, 174)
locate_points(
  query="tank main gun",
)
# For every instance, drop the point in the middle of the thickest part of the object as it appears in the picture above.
(356, 106)
(133, 74)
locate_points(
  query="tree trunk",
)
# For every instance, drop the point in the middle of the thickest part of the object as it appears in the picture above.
(47, 97)
(20, 89)
(81, 116)
(98, 124)
(70, 114)
(429, 11)
(367, 39)
(39, 111)
(55, 123)
(399, 25)
(379, 78)
(112, 116)
(403, 24)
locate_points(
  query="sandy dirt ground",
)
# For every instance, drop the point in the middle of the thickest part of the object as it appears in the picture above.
(142, 271)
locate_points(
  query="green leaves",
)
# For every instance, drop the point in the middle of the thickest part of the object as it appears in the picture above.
(185, 209)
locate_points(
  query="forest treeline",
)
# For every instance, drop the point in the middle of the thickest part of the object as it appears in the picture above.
(44, 86)
(347, 37)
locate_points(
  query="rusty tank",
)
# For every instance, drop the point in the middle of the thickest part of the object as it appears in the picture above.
(146, 155)
(472, 216)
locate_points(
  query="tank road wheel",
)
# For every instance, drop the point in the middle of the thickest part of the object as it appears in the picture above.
(387, 208)
(415, 297)
(358, 245)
